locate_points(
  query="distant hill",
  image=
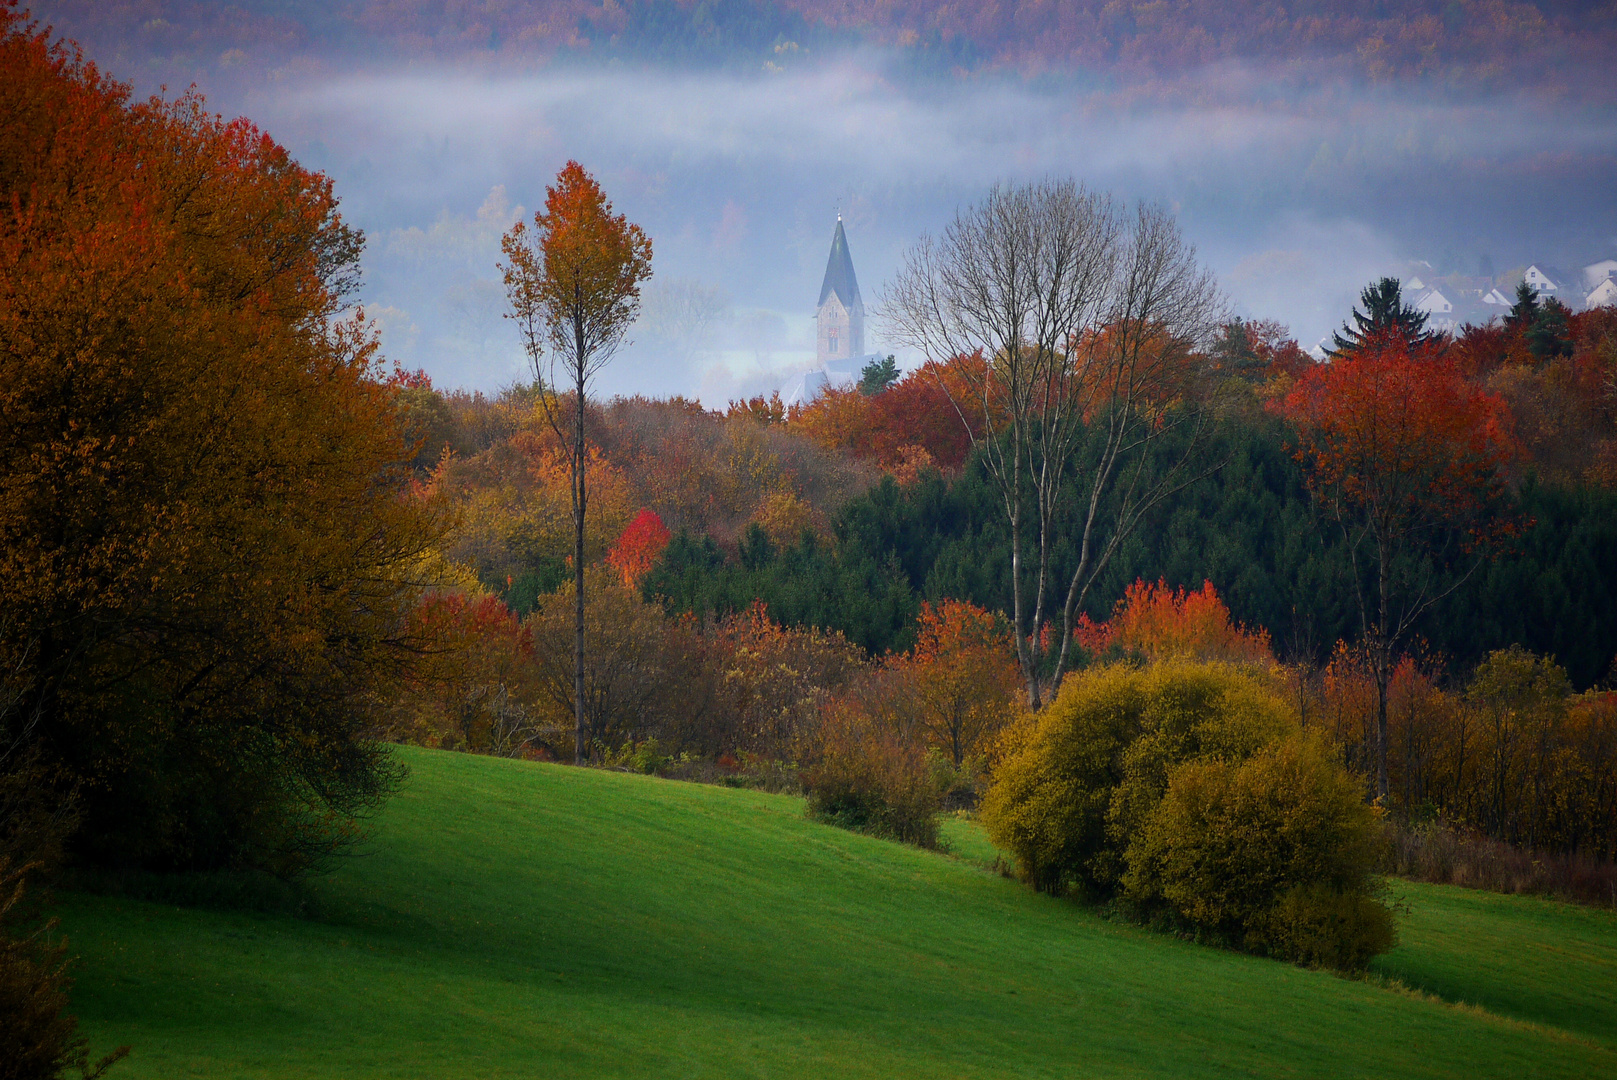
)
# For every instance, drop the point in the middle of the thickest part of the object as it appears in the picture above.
(1567, 46)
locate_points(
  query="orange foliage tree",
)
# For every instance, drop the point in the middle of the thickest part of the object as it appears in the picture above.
(907, 426)
(1163, 623)
(962, 676)
(1406, 456)
(574, 289)
(1513, 755)
(206, 553)
(775, 679)
(638, 547)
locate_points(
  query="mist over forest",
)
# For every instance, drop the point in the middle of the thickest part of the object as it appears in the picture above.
(1304, 153)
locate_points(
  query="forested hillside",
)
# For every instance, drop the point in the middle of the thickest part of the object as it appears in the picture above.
(789, 510)
(1500, 44)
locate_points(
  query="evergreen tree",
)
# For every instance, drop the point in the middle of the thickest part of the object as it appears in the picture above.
(877, 376)
(1546, 327)
(1385, 315)
(1550, 335)
(1524, 312)
(1234, 349)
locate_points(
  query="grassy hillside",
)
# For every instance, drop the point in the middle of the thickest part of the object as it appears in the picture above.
(517, 920)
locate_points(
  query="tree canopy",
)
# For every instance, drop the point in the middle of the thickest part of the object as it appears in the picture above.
(203, 532)
(1407, 457)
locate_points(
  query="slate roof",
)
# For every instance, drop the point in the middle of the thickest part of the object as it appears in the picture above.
(839, 277)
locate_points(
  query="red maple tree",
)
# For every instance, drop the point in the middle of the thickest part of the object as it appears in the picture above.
(638, 547)
(1407, 456)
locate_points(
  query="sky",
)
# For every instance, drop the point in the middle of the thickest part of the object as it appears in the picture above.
(1294, 197)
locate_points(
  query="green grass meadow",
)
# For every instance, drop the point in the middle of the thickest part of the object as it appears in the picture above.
(521, 920)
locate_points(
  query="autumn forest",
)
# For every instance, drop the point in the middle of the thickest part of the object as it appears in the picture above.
(1202, 635)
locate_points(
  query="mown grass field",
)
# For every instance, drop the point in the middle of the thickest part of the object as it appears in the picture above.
(519, 920)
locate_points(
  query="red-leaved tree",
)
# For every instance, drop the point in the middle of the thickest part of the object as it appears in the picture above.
(1406, 456)
(637, 549)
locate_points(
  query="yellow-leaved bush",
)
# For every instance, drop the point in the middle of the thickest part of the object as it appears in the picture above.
(1186, 791)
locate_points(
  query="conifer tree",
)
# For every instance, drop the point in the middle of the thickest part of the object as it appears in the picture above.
(1550, 334)
(1385, 318)
(1524, 312)
(877, 376)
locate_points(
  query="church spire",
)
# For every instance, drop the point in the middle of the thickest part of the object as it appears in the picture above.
(840, 318)
(839, 276)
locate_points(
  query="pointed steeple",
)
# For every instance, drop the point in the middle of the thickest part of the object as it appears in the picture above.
(840, 319)
(839, 277)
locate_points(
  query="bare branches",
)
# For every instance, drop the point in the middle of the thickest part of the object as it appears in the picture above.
(1089, 323)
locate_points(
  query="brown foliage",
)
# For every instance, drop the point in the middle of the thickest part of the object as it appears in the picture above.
(644, 674)
(1515, 757)
(871, 775)
(1445, 855)
(775, 679)
(206, 550)
(471, 686)
(716, 475)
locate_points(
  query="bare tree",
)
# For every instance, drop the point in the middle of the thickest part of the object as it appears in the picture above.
(1086, 322)
(682, 313)
(574, 287)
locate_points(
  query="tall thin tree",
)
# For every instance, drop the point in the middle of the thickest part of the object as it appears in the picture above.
(1087, 322)
(573, 282)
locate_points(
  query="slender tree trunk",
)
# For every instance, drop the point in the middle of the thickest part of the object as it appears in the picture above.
(1027, 652)
(579, 503)
(1384, 645)
(1381, 732)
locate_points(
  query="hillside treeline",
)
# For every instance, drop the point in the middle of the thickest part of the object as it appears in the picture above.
(1494, 43)
(834, 532)
(931, 528)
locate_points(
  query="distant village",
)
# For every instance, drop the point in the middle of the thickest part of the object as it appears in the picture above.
(1452, 300)
(1449, 301)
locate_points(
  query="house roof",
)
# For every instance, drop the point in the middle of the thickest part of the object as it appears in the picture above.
(1554, 274)
(839, 277)
(1431, 301)
(1596, 272)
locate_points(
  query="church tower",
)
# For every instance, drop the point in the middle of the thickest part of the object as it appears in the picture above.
(840, 320)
